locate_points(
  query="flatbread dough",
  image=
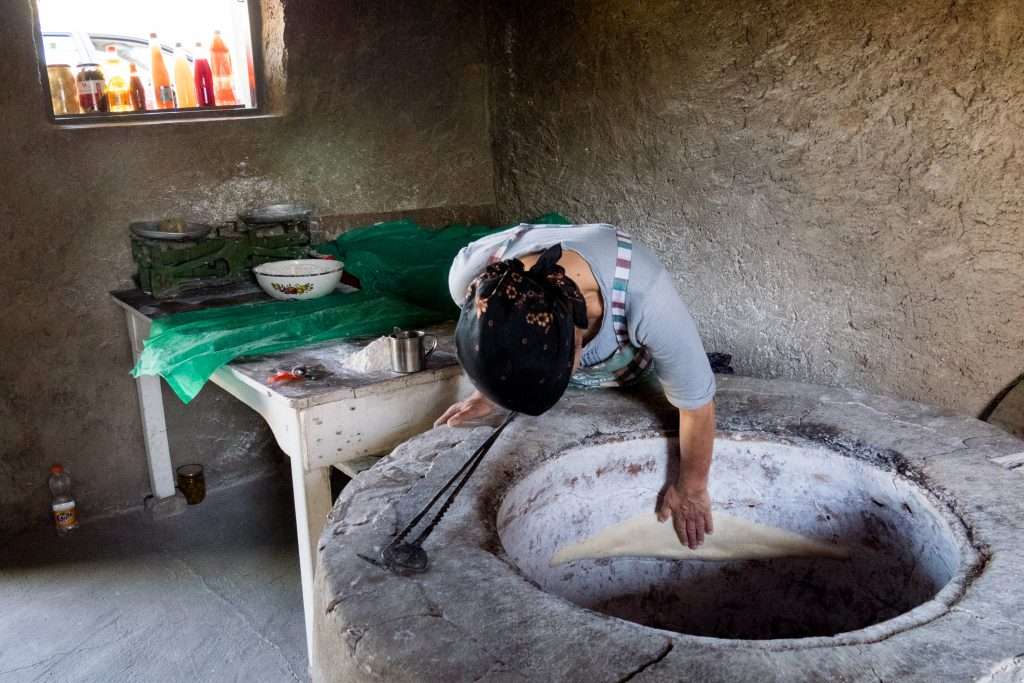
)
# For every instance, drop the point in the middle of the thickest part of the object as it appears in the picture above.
(735, 538)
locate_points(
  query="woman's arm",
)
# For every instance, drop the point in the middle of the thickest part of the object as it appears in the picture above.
(687, 501)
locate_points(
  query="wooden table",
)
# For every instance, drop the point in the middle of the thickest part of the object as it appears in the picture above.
(340, 420)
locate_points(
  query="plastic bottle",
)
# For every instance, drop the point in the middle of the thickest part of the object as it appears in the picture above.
(162, 92)
(203, 79)
(220, 63)
(252, 75)
(119, 96)
(65, 511)
(184, 85)
(137, 90)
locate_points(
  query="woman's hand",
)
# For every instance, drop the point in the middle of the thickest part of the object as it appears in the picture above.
(688, 502)
(690, 511)
(473, 408)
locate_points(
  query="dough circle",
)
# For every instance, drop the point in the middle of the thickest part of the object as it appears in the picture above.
(735, 538)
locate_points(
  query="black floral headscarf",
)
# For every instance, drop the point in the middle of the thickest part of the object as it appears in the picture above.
(516, 334)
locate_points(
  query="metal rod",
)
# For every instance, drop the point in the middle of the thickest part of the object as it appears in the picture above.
(475, 460)
(468, 467)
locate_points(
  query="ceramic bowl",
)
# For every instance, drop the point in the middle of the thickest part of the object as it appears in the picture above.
(299, 279)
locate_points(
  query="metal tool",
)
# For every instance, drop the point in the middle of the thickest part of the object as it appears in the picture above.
(408, 350)
(403, 557)
(299, 372)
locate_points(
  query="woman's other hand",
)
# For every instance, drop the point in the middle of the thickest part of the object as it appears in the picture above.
(472, 408)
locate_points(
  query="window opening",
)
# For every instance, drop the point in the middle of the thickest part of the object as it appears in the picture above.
(116, 59)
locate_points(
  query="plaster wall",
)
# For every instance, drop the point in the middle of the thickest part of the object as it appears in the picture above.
(378, 106)
(835, 186)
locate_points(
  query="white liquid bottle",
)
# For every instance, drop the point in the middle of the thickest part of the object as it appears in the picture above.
(65, 511)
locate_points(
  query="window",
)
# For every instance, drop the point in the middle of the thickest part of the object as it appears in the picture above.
(142, 59)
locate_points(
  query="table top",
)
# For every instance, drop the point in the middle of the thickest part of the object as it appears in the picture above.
(338, 380)
(198, 299)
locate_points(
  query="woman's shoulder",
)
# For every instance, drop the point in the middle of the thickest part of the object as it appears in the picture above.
(647, 268)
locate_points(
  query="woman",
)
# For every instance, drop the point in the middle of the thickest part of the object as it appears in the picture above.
(546, 305)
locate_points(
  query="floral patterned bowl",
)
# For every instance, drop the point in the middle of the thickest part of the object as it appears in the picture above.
(299, 279)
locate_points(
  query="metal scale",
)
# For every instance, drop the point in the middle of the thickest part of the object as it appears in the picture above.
(175, 257)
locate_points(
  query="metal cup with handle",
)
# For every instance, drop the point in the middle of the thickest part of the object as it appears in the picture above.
(409, 350)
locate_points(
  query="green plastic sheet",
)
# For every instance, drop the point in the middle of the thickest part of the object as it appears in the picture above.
(408, 261)
(403, 269)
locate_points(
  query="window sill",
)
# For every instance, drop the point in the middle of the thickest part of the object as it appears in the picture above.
(158, 119)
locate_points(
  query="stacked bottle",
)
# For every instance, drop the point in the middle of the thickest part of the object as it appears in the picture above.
(137, 90)
(163, 95)
(203, 79)
(184, 85)
(220, 64)
(252, 75)
(119, 96)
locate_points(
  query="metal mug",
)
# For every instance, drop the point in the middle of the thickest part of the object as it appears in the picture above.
(408, 351)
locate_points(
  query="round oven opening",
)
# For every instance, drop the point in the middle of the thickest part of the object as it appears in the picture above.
(901, 550)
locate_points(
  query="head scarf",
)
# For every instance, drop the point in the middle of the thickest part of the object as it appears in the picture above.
(516, 334)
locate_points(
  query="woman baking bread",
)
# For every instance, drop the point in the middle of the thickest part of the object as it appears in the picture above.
(546, 305)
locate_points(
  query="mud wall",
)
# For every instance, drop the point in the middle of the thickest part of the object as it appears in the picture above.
(376, 108)
(836, 186)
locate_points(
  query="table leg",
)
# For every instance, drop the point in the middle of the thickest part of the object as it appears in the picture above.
(311, 488)
(154, 426)
(312, 492)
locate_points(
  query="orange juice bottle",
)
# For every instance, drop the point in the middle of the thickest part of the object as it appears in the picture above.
(119, 95)
(220, 64)
(163, 96)
(184, 86)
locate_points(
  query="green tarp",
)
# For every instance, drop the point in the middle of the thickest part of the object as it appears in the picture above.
(403, 269)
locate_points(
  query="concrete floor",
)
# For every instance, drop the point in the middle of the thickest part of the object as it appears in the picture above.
(210, 595)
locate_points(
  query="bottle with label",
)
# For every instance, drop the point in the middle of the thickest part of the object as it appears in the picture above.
(162, 93)
(203, 79)
(119, 78)
(184, 84)
(220, 63)
(137, 90)
(65, 511)
(92, 88)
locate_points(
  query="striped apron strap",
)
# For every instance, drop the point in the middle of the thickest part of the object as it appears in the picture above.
(620, 286)
(641, 359)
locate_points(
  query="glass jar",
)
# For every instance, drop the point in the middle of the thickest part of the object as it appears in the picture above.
(192, 483)
(63, 90)
(92, 89)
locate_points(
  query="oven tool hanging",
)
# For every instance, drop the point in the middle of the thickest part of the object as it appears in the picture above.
(400, 556)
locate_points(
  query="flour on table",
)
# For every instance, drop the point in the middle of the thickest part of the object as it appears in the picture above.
(734, 538)
(376, 357)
